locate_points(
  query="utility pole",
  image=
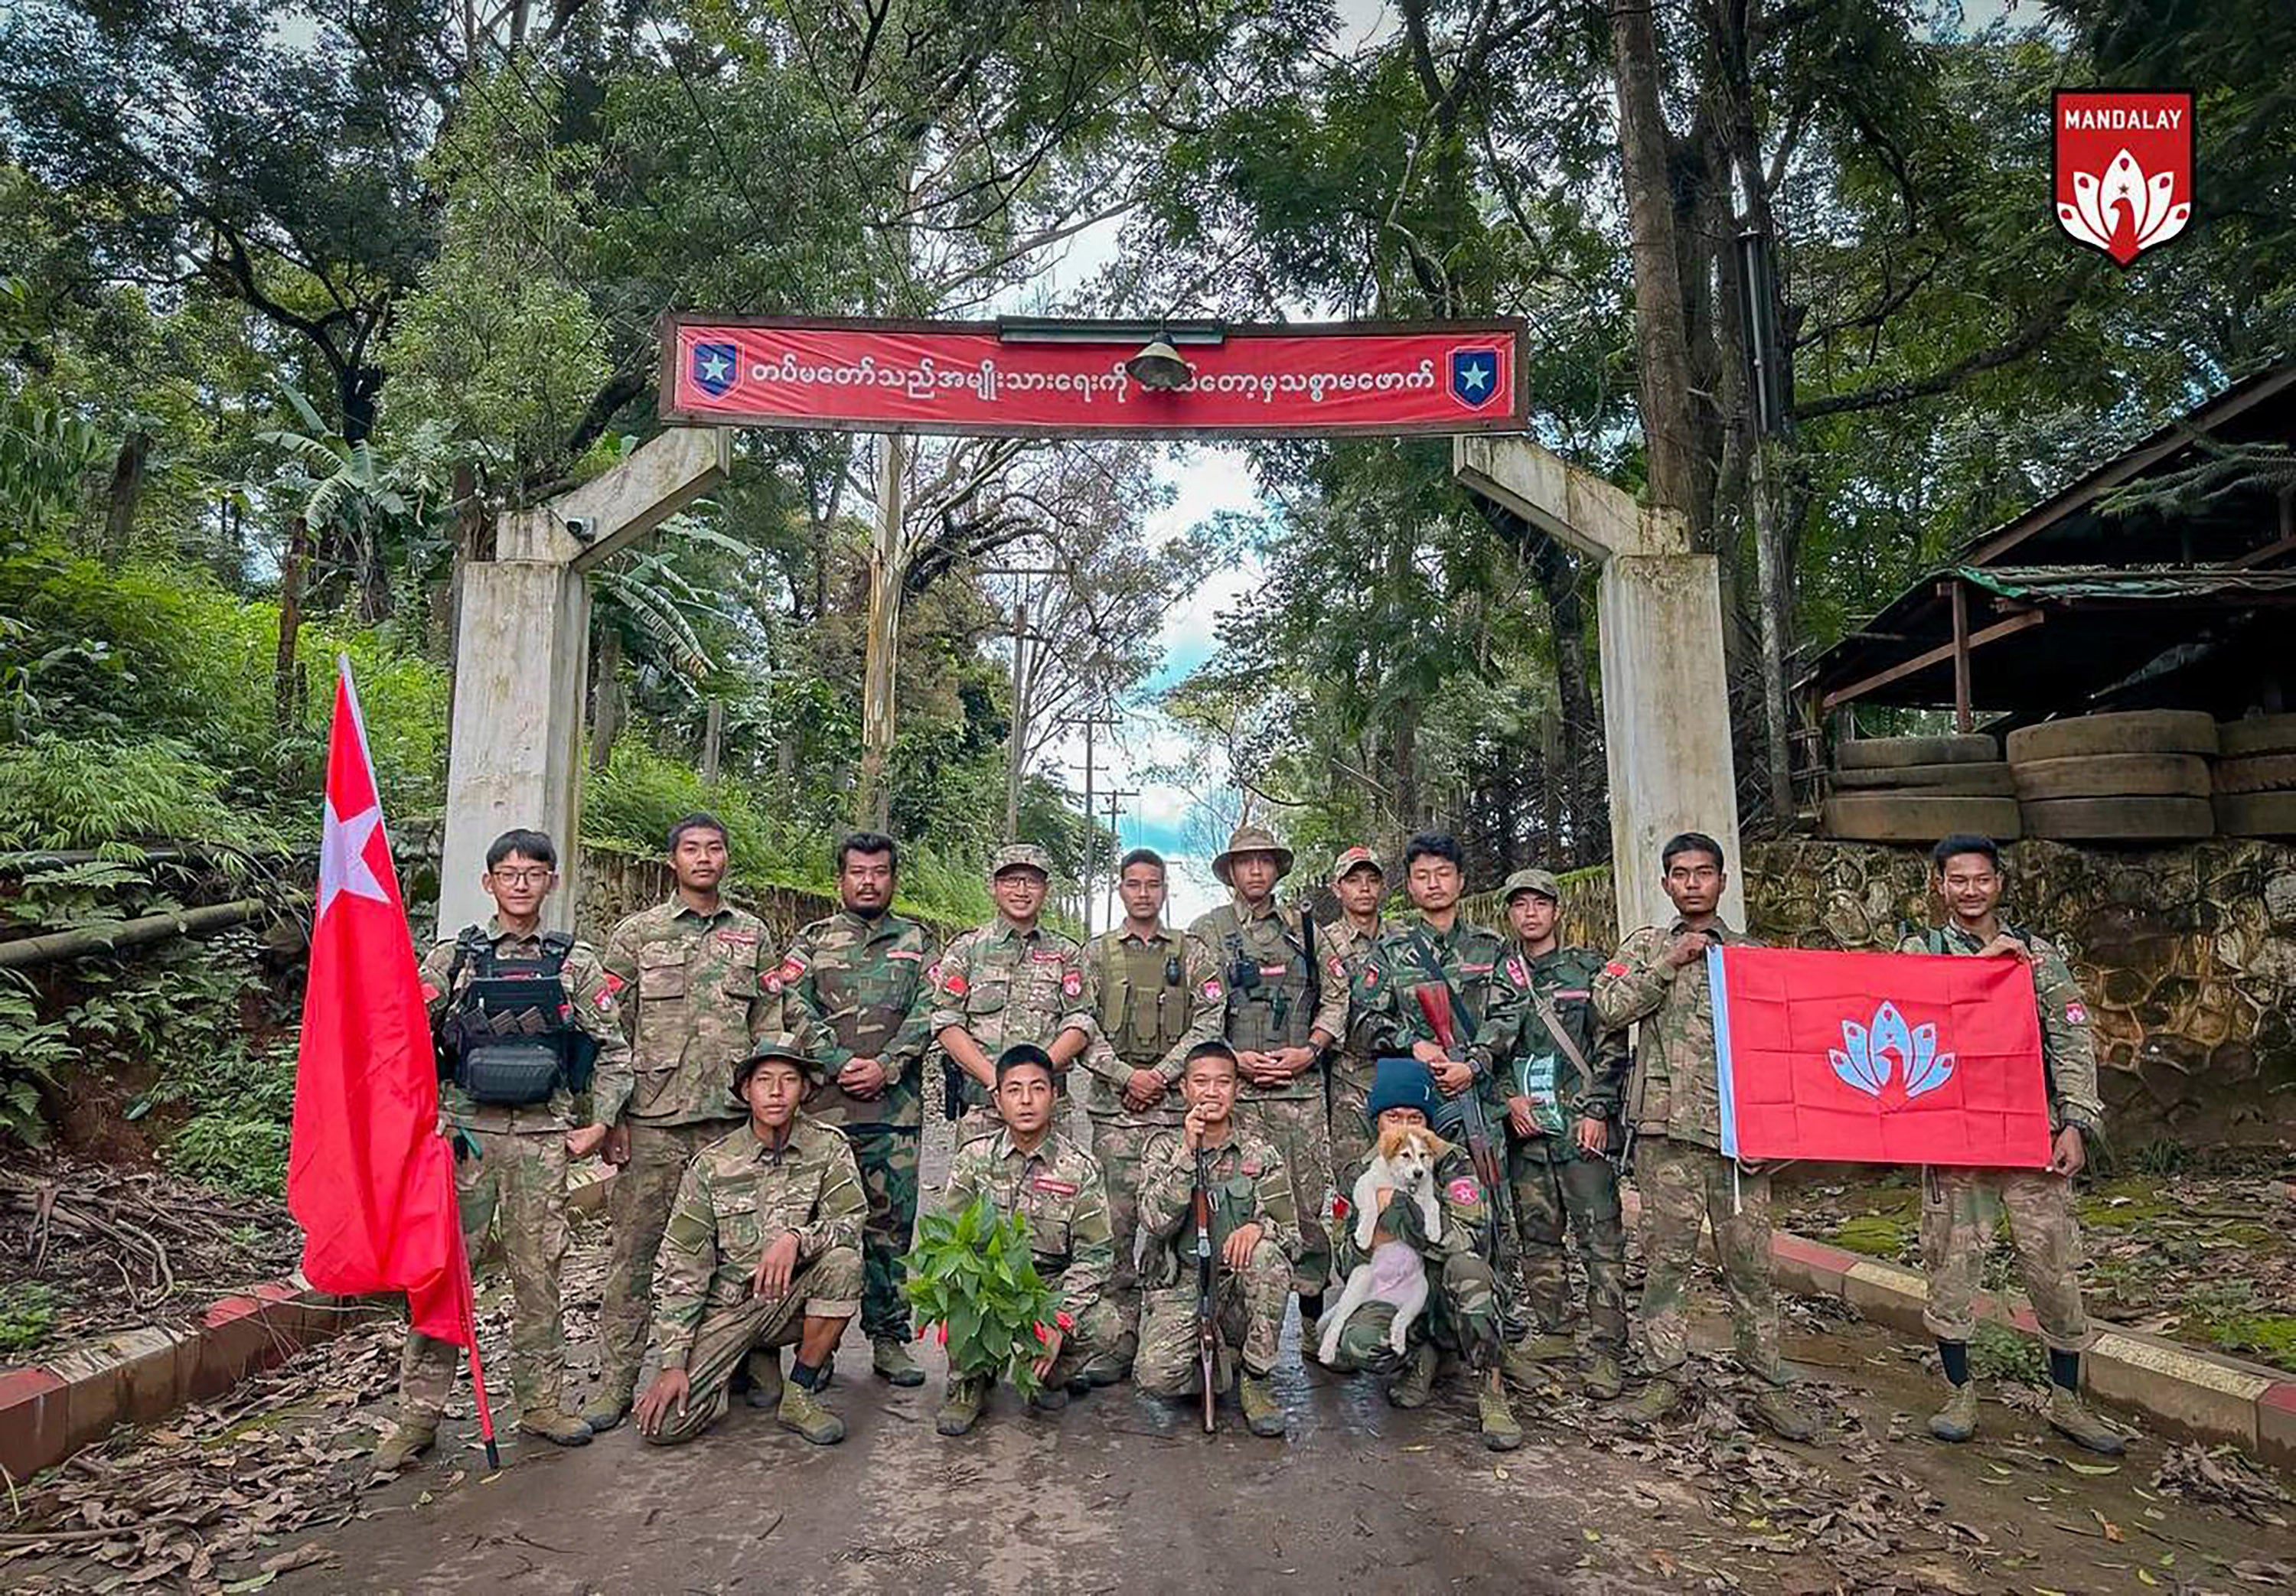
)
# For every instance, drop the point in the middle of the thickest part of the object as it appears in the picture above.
(1025, 667)
(1091, 724)
(1116, 797)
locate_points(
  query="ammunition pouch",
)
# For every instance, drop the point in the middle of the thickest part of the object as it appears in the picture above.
(509, 1039)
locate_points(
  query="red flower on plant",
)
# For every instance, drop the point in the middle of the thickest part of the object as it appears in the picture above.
(944, 1335)
(1043, 1337)
(1066, 1321)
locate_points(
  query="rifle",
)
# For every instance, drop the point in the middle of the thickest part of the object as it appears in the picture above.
(1435, 1005)
(1207, 1313)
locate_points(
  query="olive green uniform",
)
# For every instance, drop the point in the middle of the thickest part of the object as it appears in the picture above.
(1002, 985)
(1246, 1185)
(1358, 1054)
(1058, 1189)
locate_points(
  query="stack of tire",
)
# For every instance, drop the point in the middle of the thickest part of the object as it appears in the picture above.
(1920, 788)
(2256, 776)
(2132, 776)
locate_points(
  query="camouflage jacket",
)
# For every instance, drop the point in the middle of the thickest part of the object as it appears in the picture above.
(1266, 941)
(1343, 968)
(737, 1198)
(693, 998)
(1004, 984)
(1191, 1010)
(1466, 1215)
(1058, 1191)
(1530, 1064)
(1484, 971)
(1249, 1185)
(2068, 1044)
(855, 988)
(590, 995)
(1673, 1092)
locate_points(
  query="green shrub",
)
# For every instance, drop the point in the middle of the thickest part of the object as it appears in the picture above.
(28, 1310)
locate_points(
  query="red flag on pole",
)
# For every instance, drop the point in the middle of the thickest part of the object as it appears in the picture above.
(1878, 1057)
(369, 1178)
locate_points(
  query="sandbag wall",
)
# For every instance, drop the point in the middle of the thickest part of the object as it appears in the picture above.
(2148, 775)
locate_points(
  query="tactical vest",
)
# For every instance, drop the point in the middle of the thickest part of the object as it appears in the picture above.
(1273, 983)
(509, 1037)
(1143, 999)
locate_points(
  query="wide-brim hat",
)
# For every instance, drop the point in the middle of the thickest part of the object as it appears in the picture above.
(780, 1044)
(1250, 839)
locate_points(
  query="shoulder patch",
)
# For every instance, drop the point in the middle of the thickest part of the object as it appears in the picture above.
(1213, 989)
(1517, 971)
(2077, 1013)
(1614, 968)
(1464, 1191)
(1071, 984)
(614, 983)
(430, 993)
(1370, 982)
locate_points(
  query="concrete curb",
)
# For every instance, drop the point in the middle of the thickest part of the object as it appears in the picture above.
(50, 1409)
(2202, 1395)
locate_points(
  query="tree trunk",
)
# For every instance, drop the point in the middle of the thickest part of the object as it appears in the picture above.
(872, 804)
(127, 488)
(286, 699)
(606, 714)
(713, 740)
(1662, 374)
(1578, 767)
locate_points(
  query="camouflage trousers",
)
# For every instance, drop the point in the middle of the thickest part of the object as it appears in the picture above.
(1249, 1309)
(888, 1159)
(1118, 1140)
(1581, 1194)
(638, 1208)
(1961, 1212)
(1295, 1127)
(1350, 1092)
(1683, 1185)
(828, 1287)
(1463, 1316)
(520, 1175)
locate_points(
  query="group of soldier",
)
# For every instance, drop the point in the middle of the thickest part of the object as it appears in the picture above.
(765, 1107)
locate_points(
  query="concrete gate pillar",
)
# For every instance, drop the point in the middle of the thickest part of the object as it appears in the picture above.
(1666, 708)
(522, 663)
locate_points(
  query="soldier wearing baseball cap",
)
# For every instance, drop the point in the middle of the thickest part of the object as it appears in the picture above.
(1286, 1007)
(1360, 885)
(1013, 980)
(1541, 881)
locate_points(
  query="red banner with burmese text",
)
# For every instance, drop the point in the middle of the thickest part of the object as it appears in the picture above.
(966, 377)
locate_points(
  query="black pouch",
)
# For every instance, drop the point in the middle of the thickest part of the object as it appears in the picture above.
(509, 1073)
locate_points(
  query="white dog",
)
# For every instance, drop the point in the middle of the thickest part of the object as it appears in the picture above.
(1393, 1273)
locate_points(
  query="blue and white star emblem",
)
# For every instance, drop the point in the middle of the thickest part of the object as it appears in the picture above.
(1474, 376)
(716, 367)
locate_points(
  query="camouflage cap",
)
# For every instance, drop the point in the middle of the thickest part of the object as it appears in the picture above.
(1541, 881)
(1020, 856)
(779, 1044)
(1250, 839)
(1355, 858)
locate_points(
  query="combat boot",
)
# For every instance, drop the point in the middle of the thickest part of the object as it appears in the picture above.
(1263, 1415)
(1416, 1383)
(555, 1425)
(960, 1404)
(1523, 1359)
(801, 1411)
(1659, 1399)
(1311, 1339)
(888, 1356)
(1052, 1395)
(1106, 1369)
(2070, 1417)
(762, 1378)
(1957, 1419)
(1501, 1433)
(1782, 1416)
(607, 1406)
(403, 1444)
(1602, 1380)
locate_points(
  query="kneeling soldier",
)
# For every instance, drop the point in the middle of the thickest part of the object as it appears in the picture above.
(1253, 1225)
(1463, 1316)
(763, 1248)
(1024, 1166)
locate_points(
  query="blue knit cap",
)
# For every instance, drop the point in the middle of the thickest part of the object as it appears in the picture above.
(1399, 1084)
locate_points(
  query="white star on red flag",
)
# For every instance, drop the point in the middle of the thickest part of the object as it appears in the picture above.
(343, 856)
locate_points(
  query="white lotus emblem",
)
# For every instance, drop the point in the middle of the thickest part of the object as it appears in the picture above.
(2123, 211)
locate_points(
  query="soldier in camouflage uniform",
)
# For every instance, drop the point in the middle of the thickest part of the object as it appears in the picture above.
(1961, 1209)
(763, 1250)
(1153, 994)
(1562, 1075)
(1359, 884)
(1487, 982)
(853, 989)
(1464, 1315)
(1012, 980)
(1284, 1013)
(690, 974)
(1025, 1167)
(1658, 978)
(512, 1160)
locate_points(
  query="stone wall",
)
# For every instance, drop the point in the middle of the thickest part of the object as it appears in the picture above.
(615, 884)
